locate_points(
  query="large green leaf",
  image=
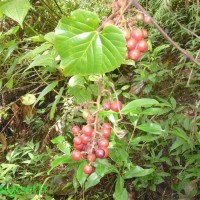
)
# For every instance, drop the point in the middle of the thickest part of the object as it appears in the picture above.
(135, 104)
(92, 180)
(118, 155)
(120, 192)
(83, 49)
(103, 167)
(151, 128)
(15, 9)
(137, 171)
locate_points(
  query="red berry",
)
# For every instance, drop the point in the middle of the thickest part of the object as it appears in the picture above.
(106, 125)
(139, 17)
(131, 43)
(100, 153)
(77, 140)
(87, 130)
(91, 157)
(134, 54)
(91, 119)
(103, 142)
(137, 34)
(142, 46)
(116, 106)
(78, 146)
(76, 155)
(76, 129)
(106, 132)
(106, 151)
(120, 3)
(106, 106)
(84, 139)
(145, 33)
(86, 148)
(88, 169)
(147, 20)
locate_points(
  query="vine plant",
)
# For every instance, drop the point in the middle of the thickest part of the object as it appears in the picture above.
(84, 47)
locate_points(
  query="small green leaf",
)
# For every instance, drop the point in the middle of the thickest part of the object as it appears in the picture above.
(153, 111)
(80, 175)
(33, 53)
(46, 90)
(182, 134)
(151, 128)
(135, 104)
(137, 171)
(179, 142)
(143, 139)
(128, 62)
(1, 83)
(15, 9)
(125, 87)
(59, 160)
(58, 139)
(50, 37)
(92, 180)
(75, 183)
(11, 48)
(80, 94)
(57, 99)
(12, 31)
(76, 80)
(47, 60)
(173, 102)
(160, 48)
(120, 192)
(9, 84)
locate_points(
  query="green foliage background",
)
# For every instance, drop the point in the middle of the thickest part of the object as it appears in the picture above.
(159, 156)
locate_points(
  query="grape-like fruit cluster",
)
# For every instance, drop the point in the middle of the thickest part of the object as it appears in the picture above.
(135, 37)
(136, 43)
(89, 144)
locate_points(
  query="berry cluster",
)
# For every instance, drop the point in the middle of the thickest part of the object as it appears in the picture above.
(136, 43)
(90, 143)
(135, 37)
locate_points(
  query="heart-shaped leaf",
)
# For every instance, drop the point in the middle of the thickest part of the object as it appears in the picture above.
(15, 9)
(83, 49)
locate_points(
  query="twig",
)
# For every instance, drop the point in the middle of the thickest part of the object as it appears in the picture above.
(58, 6)
(138, 6)
(190, 75)
(189, 31)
